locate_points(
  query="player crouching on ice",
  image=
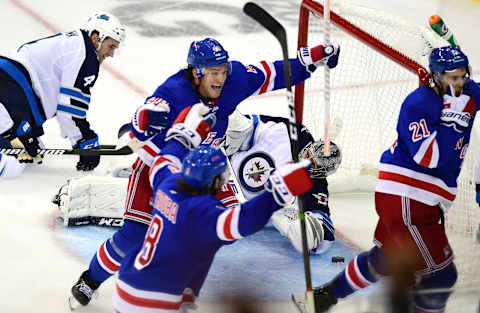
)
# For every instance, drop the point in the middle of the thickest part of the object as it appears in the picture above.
(52, 77)
(417, 183)
(189, 225)
(256, 144)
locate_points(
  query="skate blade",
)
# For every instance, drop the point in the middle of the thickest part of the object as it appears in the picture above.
(73, 303)
(299, 301)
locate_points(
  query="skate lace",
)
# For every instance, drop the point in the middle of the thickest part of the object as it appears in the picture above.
(86, 290)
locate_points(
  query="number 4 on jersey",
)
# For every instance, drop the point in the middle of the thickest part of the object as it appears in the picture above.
(419, 130)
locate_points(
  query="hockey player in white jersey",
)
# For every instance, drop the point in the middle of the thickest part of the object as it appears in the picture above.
(52, 77)
(256, 144)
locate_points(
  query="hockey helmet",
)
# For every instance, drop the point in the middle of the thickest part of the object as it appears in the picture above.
(202, 165)
(322, 165)
(445, 59)
(207, 53)
(106, 25)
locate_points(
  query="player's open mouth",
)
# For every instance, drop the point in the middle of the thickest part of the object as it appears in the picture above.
(217, 87)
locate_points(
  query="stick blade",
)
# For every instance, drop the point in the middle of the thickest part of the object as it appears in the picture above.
(265, 19)
(300, 302)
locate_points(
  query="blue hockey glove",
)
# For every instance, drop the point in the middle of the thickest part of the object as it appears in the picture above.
(151, 118)
(477, 187)
(87, 163)
(311, 58)
(289, 181)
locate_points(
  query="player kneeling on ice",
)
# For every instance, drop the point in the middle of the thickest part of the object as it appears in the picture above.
(417, 183)
(256, 145)
(189, 225)
(52, 77)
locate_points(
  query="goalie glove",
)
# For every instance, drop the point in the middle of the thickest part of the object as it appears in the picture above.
(192, 125)
(311, 58)
(289, 181)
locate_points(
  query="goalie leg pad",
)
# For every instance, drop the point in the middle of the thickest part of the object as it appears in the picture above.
(92, 200)
(319, 236)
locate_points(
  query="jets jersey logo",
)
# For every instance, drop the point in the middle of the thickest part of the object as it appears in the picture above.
(254, 171)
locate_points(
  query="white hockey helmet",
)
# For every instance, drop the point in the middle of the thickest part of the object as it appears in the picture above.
(239, 130)
(106, 25)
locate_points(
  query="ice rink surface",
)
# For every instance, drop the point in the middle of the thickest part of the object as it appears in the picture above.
(39, 265)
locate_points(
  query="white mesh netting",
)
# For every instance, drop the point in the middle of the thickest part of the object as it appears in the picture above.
(367, 89)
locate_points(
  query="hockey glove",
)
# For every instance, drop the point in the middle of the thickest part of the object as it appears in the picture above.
(31, 146)
(311, 58)
(452, 114)
(87, 163)
(192, 125)
(477, 187)
(289, 181)
(150, 119)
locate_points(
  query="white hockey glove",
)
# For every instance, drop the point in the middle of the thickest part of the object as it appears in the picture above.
(289, 181)
(318, 226)
(150, 118)
(313, 57)
(452, 114)
(192, 125)
(240, 129)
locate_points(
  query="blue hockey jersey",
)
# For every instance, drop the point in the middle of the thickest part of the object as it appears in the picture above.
(168, 269)
(424, 162)
(243, 82)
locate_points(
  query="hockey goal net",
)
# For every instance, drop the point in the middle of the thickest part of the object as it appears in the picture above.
(383, 58)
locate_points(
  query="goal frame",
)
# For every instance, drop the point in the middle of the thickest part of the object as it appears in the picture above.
(308, 6)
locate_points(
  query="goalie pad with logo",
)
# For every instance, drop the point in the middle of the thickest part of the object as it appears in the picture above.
(96, 200)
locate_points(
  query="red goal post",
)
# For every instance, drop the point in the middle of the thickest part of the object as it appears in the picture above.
(383, 59)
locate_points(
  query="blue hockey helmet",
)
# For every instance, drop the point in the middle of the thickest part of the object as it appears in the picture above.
(202, 165)
(445, 59)
(207, 53)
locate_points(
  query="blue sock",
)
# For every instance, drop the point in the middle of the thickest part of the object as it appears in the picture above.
(357, 274)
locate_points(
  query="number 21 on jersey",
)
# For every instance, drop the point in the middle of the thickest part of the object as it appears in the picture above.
(144, 257)
(419, 130)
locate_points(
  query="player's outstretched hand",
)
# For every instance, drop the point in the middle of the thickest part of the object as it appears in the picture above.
(288, 181)
(318, 55)
(150, 119)
(192, 125)
(88, 163)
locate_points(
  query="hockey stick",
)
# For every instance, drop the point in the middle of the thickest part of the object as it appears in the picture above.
(326, 71)
(131, 147)
(241, 196)
(272, 25)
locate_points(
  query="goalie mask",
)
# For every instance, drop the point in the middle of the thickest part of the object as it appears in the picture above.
(322, 165)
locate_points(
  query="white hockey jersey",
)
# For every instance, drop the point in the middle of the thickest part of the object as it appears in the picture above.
(253, 167)
(62, 69)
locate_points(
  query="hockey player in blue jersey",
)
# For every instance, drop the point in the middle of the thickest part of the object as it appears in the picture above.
(256, 144)
(416, 184)
(52, 77)
(210, 78)
(189, 225)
